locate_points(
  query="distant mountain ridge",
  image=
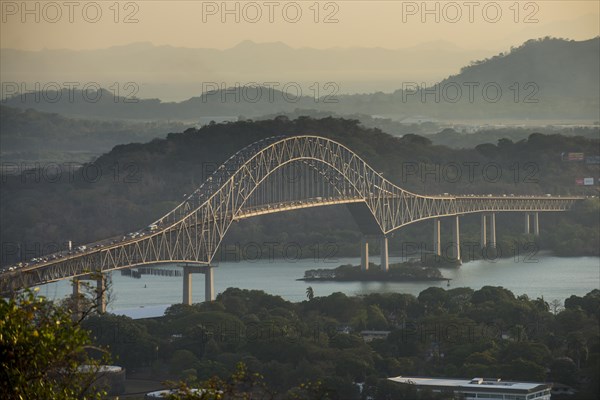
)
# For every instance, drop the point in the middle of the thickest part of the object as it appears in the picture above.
(542, 79)
(558, 67)
(171, 72)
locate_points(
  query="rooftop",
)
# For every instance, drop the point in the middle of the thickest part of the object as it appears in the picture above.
(479, 384)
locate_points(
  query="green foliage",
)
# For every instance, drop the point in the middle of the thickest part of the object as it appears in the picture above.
(458, 333)
(30, 135)
(310, 293)
(153, 176)
(124, 336)
(42, 352)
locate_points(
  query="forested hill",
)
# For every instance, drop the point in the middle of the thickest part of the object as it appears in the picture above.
(542, 79)
(135, 184)
(37, 136)
(558, 67)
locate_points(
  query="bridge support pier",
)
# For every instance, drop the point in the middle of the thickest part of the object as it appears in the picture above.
(101, 294)
(385, 267)
(76, 301)
(76, 288)
(483, 239)
(209, 287)
(187, 286)
(364, 254)
(527, 224)
(536, 224)
(209, 291)
(456, 239)
(493, 230)
(437, 248)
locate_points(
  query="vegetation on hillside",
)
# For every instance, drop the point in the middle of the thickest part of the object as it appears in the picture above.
(458, 333)
(36, 136)
(401, 272)
(44, 353)
(134, 184)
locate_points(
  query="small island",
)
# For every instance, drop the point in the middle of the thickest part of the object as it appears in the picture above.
(402, 272)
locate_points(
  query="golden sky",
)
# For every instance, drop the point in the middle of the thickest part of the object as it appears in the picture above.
(216, 24)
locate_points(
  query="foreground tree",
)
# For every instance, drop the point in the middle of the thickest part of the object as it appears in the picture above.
(44, 354)
(246, 385)
(310, 293)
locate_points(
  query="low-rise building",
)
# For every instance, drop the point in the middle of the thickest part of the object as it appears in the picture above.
(369, 336)
(481, 388)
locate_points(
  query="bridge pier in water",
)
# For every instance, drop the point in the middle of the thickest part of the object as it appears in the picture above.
(484, 242)
(384, 253)
(76, 296)
(207, 270)
(76, 292)
(385, 267)
(536, 223)
(483, 238)
(364, 254)
(493, 230)
(437, 247)
(456, 239)
(100, 293)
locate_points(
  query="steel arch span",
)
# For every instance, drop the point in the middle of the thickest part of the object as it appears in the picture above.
(272, 175)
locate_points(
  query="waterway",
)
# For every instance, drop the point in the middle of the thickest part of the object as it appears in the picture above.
(544, 275)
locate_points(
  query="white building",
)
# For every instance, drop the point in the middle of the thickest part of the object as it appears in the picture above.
(369, 336)
(482, 388)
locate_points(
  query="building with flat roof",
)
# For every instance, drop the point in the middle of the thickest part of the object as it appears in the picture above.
(369, 336)
(481, 388)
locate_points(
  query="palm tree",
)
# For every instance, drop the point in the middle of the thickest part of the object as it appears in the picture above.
(310, 293)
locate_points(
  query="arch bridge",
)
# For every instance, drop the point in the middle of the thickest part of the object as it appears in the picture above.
(276, 175)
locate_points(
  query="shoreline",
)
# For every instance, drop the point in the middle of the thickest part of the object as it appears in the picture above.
(373, 279)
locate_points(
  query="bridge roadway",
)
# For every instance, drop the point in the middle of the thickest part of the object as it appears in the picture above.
(253, 182)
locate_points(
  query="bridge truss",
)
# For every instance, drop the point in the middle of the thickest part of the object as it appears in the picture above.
(272, 175)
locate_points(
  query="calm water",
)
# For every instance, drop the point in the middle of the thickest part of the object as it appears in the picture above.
(551, 277)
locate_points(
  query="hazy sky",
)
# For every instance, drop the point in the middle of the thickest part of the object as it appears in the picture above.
(389, 24)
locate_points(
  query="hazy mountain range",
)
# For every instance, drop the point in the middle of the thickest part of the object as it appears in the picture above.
(541, 79)
(176, 73)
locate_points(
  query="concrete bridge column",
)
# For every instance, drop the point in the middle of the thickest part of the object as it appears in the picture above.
(364, 254)
(437, 247)
(209, 287)
(483, 239)
(527, 223)
(76, 300)
(536, 224)
(385, 267)
(493, 230)
(456, 239)
(101, 294)
(76, 288)
(187, 286)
